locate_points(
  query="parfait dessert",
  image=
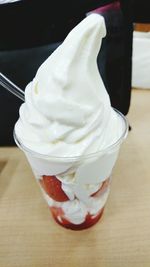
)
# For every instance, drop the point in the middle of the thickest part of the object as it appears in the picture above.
(68, 130)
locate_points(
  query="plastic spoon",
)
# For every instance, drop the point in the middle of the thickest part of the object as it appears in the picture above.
(11, 87)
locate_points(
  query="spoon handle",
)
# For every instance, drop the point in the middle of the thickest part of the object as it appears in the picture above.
(11, 87)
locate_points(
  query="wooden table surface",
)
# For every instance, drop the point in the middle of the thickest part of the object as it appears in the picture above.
(29, 237)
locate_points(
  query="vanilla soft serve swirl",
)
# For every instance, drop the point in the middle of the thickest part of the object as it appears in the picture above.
(67, 110)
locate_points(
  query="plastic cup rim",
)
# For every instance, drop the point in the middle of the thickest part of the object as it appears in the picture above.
(76, 158)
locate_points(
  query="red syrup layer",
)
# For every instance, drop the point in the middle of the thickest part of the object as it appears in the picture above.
(90, 220)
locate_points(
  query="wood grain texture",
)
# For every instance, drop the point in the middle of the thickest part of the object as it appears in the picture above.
(142, 27)
(30, 238)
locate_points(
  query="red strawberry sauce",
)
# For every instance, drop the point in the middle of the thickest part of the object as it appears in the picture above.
(89, 221)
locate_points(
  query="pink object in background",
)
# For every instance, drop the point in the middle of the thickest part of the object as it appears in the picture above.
(115, 5)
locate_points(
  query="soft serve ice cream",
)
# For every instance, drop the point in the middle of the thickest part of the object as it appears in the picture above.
(67, 110)
(67, 113)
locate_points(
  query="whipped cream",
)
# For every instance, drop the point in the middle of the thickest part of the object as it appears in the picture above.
(67, 111)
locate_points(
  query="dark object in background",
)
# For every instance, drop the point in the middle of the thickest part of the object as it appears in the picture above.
(114, 59)
(140, 11)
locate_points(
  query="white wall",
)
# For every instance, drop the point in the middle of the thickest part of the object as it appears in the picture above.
(141, 60)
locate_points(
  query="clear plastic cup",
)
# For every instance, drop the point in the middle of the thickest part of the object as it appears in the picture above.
(75, 188)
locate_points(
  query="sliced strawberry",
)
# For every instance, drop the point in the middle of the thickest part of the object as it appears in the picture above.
(52, 186)
(102, 189)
